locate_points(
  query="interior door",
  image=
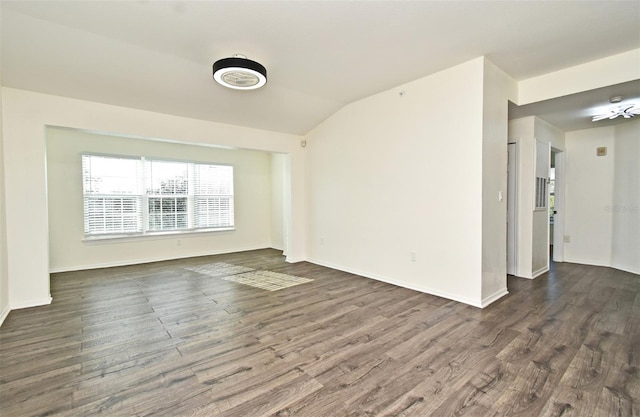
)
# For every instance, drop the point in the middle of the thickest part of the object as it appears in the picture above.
(540, 245)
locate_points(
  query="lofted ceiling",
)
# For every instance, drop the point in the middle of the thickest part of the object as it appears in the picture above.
(320, 55)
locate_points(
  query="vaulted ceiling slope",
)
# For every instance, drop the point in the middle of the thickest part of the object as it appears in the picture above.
(320, 55)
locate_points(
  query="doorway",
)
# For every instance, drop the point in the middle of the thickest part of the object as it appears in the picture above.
(556, 205)
(512, 207)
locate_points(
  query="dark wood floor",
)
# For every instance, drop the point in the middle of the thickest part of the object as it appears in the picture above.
(161, 340)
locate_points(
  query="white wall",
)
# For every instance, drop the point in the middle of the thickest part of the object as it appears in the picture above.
(25, 116)
(548, 133)
(68, 251)
(625, 208)
(498, 88)
(395, 174)
(589, 196)
(278, 186)
(4, 276)
(602, 72)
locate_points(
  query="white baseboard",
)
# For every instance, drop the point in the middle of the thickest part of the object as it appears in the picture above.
(292, 260)
(625, 268)
(32, 303)
(150, 260)
(400, 283)
(534, 275)
(4, 314)
(585, 262)
(24, 304)
(539, 272)
(494, 297)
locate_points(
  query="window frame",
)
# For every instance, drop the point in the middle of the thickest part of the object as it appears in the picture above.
(541, 194)
(144, 196)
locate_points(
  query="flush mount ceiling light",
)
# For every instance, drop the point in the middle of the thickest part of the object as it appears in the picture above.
(239, 73)
(625, 110)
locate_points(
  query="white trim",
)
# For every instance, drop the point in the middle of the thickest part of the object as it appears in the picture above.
(148, 158)
(540, 271)
(630, 269)
(513, 178)
(294, 260)
(4, 314)
(588, 262)
(493, 297)
(150, 260)
(140, 237)
(559, 218)
(399, 283)
(32, 303)
(585, 262)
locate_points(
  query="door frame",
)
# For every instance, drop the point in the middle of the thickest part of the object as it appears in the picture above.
(512, 208)
(558, 221)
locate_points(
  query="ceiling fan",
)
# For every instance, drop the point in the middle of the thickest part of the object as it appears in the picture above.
(625, 110)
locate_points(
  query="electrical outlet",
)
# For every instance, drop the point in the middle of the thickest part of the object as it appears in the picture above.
(567, 239)
(322, 241)
(413, 256)
(179, 243)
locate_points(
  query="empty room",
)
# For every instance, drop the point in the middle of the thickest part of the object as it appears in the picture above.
(320, 208)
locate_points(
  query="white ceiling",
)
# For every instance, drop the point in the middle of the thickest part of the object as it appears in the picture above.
(320, 55)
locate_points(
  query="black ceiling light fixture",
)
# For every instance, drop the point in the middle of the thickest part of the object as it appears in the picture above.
(239, 73)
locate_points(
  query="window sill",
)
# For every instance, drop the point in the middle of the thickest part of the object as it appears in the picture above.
(139, 237)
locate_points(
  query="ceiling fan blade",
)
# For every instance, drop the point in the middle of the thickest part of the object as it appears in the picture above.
(628, 111)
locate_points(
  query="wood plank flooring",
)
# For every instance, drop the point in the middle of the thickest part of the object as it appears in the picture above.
(163, 340)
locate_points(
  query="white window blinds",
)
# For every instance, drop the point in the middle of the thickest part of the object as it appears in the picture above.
(112, 195)
(137, 196)
(213, 195)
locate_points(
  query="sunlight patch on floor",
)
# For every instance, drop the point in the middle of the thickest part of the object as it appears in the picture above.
(219, 269)
(266, 280)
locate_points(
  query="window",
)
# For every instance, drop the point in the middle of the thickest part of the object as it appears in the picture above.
(138, 196)
(167, 195)
(541, 193)
(112, 195)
